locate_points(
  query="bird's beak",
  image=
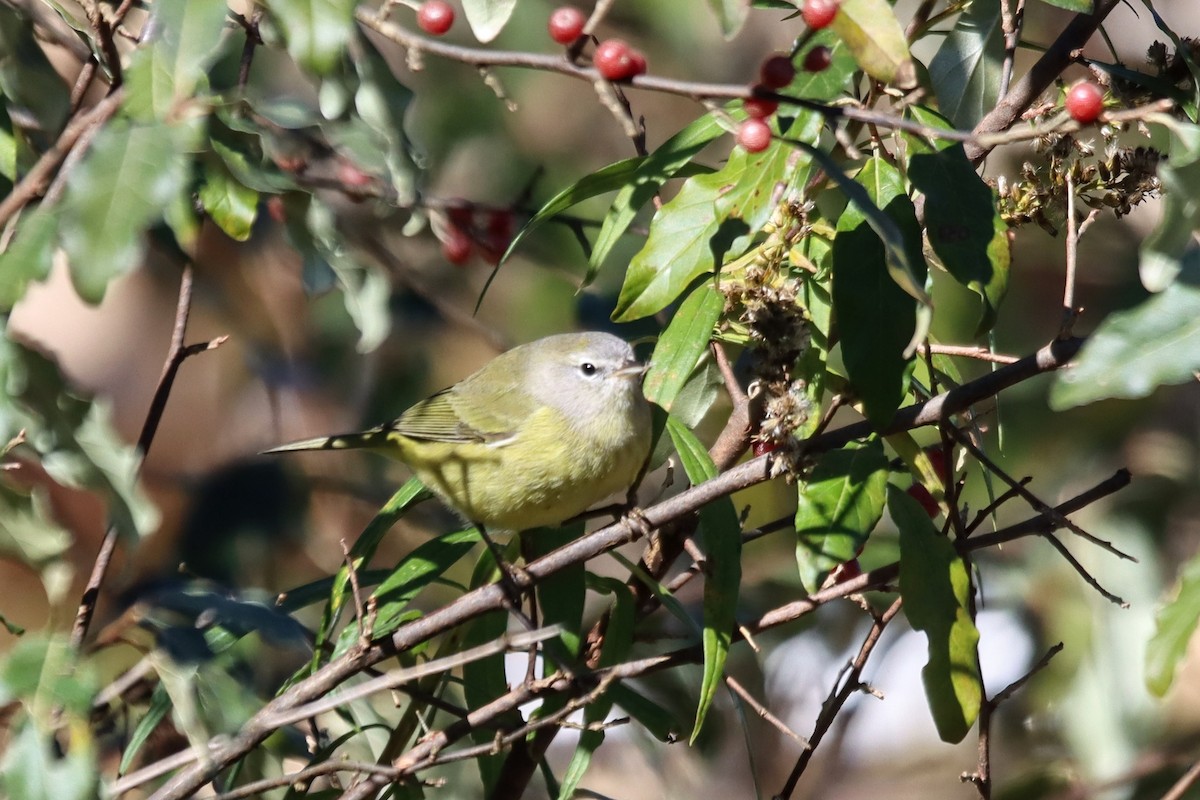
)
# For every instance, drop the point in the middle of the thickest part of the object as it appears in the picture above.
(633, 369)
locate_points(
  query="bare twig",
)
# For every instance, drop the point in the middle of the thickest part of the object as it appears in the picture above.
(982, 777)
(761, 710)
(1011, 22)
(1185, 782)
(846, 686)
(491, 597)
(1036, 502)
(1020, 96)
(177, 353)
(968, 351)
(38, 178)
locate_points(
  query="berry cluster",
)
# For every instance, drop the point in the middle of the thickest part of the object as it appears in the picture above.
(468, 229)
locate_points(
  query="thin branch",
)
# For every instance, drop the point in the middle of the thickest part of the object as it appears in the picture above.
(968, 351)
(1011, 22)
(1185, 782)
(1036, 502)
(761, 710)
(38, 177)
(398, 677)
(842, 690)
(177, 353)
(1057, 57)
(492, 597)
(982, 777)
(259, 787)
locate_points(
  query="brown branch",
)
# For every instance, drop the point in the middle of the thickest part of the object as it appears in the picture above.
(968, 351)
(1053, 61)
(177, 353)
(1185, 782)
(38, 177)
(492, 596)
(982, 777)
(850, 683)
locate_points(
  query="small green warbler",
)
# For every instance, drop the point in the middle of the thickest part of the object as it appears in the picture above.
(537, 436)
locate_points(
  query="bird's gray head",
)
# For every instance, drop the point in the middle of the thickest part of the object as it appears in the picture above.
(588, 376)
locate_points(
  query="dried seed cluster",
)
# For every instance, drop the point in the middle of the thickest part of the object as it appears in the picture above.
(761, 296)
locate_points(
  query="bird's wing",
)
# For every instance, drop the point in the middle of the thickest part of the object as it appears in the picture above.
(443, 418)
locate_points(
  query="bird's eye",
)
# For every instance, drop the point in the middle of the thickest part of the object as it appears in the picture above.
(587, 368)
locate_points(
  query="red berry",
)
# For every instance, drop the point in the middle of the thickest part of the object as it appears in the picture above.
(1085, 101)
(937, 460)
(456, 247)
(500, 225)
(754, 135)
(615, 60)
(435, 17)
(761, 447)
(639, 61)
(777, 72)
(819, 13)
(921, 495)
(817, 59)
(759, 108)
(566, 24)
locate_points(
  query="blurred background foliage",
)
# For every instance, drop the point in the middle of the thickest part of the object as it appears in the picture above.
(320, 259)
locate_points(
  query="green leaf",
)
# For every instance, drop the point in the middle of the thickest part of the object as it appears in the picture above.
(1162, 252)
(184, 39)
(28, 531)
(121, 187)
(964, 227)
(383, 102)
(681, 346)
(1132, 353)
(488, 17)
(33, 92)
(1078, 6)
(361, 552)
(28, 257)
(877, 319)
(685, 238)
(418, 569)
(232, 206)
(839, 505)
(1174, 625)
(965, 71)
(606, 179)
(618, 636)
(484, 679)
(316, 31)
(561, 596)
(722, 536)
(652, 172)
(34, 769)
(160, 706)
(875, 37)
(731, 14)
(935, 585)
(676, 252)
(366, 291)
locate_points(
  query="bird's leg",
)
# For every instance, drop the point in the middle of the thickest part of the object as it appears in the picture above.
(512, 591)
(512, 596)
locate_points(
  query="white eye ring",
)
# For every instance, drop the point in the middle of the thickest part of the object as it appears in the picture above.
(588, 369)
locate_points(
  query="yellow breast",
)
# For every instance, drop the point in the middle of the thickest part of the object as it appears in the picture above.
(546, 473)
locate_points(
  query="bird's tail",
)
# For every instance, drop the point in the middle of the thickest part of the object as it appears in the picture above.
(376, 437)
